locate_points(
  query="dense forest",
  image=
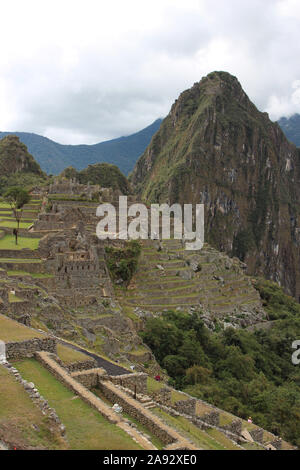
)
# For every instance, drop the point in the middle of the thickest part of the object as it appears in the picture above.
(246, 373)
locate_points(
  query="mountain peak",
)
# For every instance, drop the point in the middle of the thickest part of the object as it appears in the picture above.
(218, 91)
(14, 157)
(217, 148)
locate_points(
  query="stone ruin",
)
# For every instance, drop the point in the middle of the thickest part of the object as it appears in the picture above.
(73, 188)
(60, 218)
(3, 298)
(77, 263)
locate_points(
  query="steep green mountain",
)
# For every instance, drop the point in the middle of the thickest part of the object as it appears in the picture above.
(14, 157)
(17, 166)
(291, 128)
(216, 148)
(54, 157)
(104, 174)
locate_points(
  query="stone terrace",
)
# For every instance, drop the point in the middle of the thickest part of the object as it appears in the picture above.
(169, 277)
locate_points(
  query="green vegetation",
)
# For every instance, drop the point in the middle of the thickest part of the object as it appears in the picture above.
(243, 242)
(17, 198)
(8, 243)
(70, 355)
(54, 157)
(21, 422)
(12, 331)
(104, 174)
(19, 260)
(245, 373)
(155, 440)
(201, 439)
(276, 303)
(17, 166)
(13, 224)
(85, 427)
(122, 262)
(12, 298)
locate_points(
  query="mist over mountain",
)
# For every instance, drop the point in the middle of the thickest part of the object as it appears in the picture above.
(291, 128)
(54, 158)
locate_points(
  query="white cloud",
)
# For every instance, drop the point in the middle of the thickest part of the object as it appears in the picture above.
(84, 71)
(285, 105)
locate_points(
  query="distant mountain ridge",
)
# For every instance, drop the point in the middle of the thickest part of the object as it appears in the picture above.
(291, 128)
(54, 158)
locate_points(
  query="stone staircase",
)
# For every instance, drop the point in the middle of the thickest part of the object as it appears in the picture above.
(146, 401)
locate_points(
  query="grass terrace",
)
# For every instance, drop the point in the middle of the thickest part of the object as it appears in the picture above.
(9, 243)
(11, 331)
(153, 385)
(32, 275)
(13, 224)
(70, 355)
(21, 421)
(19, 260)
(86, 429)
(201, 439)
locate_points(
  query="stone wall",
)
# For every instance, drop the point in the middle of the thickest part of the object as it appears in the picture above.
(17, 254)
(131, 381)
(63, 376)
(235, 427)
(20, 308)
(89, 378)
(89, 364)
(277, 443)
(4, 295)
(82, 365)
(212, 418)
(28, 267)
(28, 348)
(166, 434)
(187, 407)
(257, 434)
(163, 396)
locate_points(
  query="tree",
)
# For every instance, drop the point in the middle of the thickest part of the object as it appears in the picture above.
(17, 198)
(197, 375)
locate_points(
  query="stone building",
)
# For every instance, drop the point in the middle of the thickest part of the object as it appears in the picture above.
(73, 188)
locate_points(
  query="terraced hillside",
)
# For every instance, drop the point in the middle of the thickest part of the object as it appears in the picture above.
(170, 277)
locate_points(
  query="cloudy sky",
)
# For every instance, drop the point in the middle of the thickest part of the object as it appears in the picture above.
(84, 71)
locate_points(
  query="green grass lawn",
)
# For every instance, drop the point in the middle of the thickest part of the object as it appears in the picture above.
(13, 224)
(69, 355)
(177, 396)
(86, 429)
(12, 298)
(19, 260)
(33, 275)
(153, 385)
(9, 243)
(21, 422)
(13, 331)
(154, 439)
(202, 439)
